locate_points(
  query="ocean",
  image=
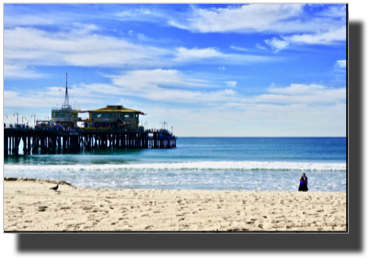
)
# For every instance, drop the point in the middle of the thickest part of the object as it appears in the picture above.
(237, 164)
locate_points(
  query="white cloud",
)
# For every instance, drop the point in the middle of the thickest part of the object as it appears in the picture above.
(334, 35)
(324, 27)
(186, 54)
(78, 48)
(283, 19)
(231, 83)
(334, 11)
(82, 29)
(329, 37)
(51, 96)
(29, 20)
(16, 99)
(239, 48)
(340, 64)
(222, 68)
(159, 77)
(258, 18)
(246, 18)
(82, 47)
(209, 55)
(308, 94)
(223, 95)
(296, 89)
(173, 86)
(260, 47)
(276, 44)
(142, 14)
(142, 37)
(168, 86)
(20, 71)
(322, 98)
(82, 94)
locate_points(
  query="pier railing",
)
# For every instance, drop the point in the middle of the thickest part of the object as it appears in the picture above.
(18, 126)
(86, 130)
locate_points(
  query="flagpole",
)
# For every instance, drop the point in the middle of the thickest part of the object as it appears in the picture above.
(66, 103)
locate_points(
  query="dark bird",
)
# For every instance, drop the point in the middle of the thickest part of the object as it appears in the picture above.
(55, 188)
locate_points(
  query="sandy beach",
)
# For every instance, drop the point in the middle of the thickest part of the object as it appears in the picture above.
(30, 205)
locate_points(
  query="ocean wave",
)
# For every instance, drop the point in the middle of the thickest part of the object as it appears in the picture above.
(212, 165)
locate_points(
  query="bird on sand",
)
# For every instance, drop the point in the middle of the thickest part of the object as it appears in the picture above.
(55, 188)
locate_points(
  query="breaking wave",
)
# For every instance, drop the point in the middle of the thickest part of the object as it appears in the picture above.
(212, 165)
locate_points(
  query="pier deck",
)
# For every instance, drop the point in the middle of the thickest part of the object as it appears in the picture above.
(51, 140)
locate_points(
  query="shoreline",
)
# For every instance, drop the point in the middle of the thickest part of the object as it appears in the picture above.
(30, 205)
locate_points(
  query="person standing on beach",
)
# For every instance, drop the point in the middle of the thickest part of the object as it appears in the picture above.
(304, 176)
(303, 183)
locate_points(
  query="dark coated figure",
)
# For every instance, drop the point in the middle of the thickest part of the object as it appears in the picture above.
(303, 183)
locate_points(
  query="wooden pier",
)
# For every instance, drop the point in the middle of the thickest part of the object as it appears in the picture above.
(47, 141)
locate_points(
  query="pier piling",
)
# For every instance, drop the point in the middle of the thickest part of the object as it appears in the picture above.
(46, 141)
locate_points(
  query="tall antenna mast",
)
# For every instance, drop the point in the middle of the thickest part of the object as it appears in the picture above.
(66, 104)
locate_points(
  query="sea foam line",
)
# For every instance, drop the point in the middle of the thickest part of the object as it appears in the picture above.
(212, 165)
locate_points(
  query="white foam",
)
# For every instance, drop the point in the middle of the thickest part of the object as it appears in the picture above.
(212, 165)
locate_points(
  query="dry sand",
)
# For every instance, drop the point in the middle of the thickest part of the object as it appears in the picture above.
(30, 205)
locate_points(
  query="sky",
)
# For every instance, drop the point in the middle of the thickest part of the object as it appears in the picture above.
(206, 70)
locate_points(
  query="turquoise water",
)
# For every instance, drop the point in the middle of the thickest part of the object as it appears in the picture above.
(271, 164)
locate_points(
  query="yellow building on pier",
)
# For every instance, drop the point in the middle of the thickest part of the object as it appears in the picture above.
(113, 117)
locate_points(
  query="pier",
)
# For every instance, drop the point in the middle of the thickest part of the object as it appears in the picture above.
(113, 126)
(50, 141)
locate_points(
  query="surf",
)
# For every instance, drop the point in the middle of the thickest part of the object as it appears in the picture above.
(200, 165)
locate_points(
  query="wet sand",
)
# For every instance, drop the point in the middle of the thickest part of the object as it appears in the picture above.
(30, 205)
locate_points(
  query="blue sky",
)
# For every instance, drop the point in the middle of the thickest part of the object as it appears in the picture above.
(207, 70)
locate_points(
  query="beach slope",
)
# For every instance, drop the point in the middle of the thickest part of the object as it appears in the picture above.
(30, 205)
